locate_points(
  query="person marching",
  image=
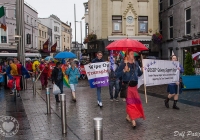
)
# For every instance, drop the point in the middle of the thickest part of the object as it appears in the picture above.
(15, 71)
(129, 70)
(44, 69)
(73, 74)
(113, 80)
(172, 88)
(97, 60)
(57, 78)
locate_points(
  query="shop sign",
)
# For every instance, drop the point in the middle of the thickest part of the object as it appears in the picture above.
(196, 42)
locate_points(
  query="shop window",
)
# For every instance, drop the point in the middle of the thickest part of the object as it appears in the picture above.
(117, 24)
(161, 5)
(143, 24)
(188, 21)
(160, 26)
(3, 36)
(171, 27)
(171, 2)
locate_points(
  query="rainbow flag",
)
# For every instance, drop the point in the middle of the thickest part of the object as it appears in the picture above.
(122, 53)
(65, 77)
(66, 81)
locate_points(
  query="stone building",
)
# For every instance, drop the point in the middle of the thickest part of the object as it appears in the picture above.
(118, 19)
(180, 27)
(8, 43)
(66, 37)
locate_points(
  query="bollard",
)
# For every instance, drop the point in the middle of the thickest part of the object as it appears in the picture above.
(98, 128)
(63, 113)
(48, 101)
(34, 86)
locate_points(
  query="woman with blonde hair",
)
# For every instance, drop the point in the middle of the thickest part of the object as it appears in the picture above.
(129, 70)
(73, 74)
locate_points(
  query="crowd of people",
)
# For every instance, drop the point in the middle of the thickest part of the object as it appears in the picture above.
(123, 80)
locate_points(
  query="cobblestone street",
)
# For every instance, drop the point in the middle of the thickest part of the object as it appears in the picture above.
(161, 123)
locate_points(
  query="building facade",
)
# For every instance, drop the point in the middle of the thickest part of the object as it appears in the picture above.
(118, 19)
(42, 35)
(66, 37)
(180, 27)
(8, 42)
(54, 23)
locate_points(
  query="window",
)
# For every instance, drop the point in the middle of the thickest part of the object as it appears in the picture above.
(143, 24)
(3, 36)
(31, 21)
(27, 18)
(42, 34)
(40, 44)
(117, 24)
(171, 27)
(171, 2)
(160, 25)
(67, 39)
(188, 21)
(64, 39)
(15, 13)
(161, 5)
(35, 23)
(45, 35)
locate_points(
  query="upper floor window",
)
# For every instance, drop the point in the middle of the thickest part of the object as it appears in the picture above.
(40, 33)
(143, 24)
(160, 26)
(161, 5)
(64, 39)
(171, 27)
(27, 18)
(188, 21)
(171, 2)
(116, 24)
(67, 39)
(56, 29)
(31, 21)
(45, 35)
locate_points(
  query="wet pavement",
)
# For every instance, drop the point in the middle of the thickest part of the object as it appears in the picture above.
(160, 124)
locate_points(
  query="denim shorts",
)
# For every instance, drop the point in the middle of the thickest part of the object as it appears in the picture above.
(73, 87)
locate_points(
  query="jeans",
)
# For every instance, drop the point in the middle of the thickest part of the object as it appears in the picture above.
(116, 85)
(99, 94)
(60, 85)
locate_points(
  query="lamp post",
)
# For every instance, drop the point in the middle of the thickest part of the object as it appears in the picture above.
(81, 32)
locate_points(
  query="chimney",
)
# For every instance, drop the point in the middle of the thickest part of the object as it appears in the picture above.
(70, 24)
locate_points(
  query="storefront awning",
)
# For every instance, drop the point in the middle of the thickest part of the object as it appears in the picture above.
(138, 38)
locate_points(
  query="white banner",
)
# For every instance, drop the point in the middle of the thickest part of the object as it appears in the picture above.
(159, 72)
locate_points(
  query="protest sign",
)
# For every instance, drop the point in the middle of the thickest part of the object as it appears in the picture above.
(97, 74)
(159, 72)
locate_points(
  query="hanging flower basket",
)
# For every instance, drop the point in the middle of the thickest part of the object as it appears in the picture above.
(86, 40)
(92, 37)
(157, 38)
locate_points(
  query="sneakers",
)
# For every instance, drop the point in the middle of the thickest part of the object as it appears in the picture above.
(12, 93)
(100, 104)
(116, 100)
(124, 99)
(111, 100)
(18, 95)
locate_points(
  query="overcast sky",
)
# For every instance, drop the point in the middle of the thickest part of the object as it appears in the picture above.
(64, 9)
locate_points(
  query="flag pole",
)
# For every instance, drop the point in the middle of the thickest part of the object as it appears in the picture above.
(145, 89)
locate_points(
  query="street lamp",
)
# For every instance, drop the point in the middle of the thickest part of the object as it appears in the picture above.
(81, 32)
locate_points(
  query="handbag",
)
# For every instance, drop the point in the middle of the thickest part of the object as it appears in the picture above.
(56, 89)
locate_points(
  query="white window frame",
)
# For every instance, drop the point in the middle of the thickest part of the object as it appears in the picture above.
(186, 21)
(171, 26)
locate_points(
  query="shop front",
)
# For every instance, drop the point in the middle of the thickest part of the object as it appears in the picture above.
(191, 46)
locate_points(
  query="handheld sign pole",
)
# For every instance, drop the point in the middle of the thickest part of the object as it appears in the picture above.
(145, 89)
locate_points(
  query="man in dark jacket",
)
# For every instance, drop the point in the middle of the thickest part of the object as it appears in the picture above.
(97, 60)
(57, 78)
